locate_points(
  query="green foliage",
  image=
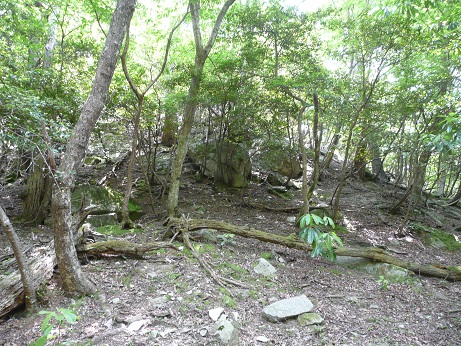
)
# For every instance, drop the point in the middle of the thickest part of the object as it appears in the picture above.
(384, 283)
(62, 316)
(227, 239)
(117, 230)
(316, 232)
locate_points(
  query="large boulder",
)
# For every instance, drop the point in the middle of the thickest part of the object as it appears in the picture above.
(104, 201)
(278, 161)
(228, 163)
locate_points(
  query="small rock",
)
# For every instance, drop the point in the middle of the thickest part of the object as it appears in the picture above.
(226, 331)
(115, 301)
(287, 308)
(215, 313)
(167, 331)
(291, 219)
(159, 300)
(135, 318)
(109, 323)
(265, 268)
(203, 332)
(135, 326)
(262, 339)
(309, 319)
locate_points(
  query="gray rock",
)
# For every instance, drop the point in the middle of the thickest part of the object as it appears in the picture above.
(103, 201)
(226, 332)
(287, 308)
(263, 339)
(137, 325)
(215, 313)
(232, 167)
(159, 300)
(265, 268)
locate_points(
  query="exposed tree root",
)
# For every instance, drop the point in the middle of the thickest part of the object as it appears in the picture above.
(217, 278)
(292, 241)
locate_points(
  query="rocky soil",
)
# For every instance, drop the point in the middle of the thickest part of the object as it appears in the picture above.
(166, 298)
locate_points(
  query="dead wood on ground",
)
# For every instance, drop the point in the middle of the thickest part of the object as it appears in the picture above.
(43, 261)
(121, 247)
(292, 241)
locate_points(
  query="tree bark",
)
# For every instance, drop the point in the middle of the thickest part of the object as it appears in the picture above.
(38, 195)
(201, 54)
(72, 277)
(24, 269)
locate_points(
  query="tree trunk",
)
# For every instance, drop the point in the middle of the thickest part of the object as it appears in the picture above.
(302, 146)
(38, 195)
(331, 152)
(315, 129)
(169, 129)
(51, 43)
(24, 269)
(72, 277)
(201, 54)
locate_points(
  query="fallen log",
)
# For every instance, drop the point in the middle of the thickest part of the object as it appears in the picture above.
(292, 241)
(121, 247)
(42, 263)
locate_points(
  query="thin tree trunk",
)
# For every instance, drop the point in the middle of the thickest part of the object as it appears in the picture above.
(72, 277)
(29, 290)
(201, 54)
(331, 152)
(302, 146)
(315, 129)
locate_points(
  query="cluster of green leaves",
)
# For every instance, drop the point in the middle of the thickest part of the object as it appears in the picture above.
(317, 232)
(61, 316)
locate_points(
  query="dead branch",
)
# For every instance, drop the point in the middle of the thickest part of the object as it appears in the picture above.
(292, 241)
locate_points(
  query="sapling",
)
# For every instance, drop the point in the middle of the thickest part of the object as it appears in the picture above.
(317, 232)
(61, 316)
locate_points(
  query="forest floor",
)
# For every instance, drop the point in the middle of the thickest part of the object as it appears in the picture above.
(170, 294)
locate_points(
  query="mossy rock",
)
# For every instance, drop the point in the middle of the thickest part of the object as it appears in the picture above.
(104, 200)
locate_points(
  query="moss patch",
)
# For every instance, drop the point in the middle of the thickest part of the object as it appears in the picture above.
(117, 230)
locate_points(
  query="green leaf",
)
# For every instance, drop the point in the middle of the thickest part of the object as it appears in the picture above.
(47, 331)
(41, 341)
(305, 220)
(336, 238)
(69, 315)
(46, 321)
(317, 219)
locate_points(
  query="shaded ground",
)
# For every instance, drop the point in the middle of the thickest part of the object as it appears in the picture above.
(173, 294)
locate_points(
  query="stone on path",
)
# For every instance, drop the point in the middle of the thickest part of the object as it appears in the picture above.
(263, 339)
(287, 308)
(137, 325)
(215, 313)
(226, 332)
(265, 268)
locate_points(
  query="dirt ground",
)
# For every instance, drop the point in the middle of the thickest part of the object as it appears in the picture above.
(170, 294)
